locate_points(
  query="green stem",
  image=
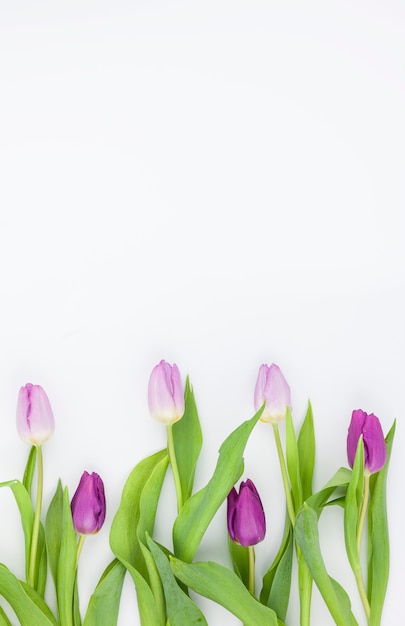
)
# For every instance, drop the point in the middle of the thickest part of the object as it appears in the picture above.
(79, 547)
(175, 469)
(37, 519)
(283, 467)
(360, 528)
(305, 588)
(251, 552)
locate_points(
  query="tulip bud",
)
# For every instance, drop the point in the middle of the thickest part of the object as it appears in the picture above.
(246, 520)
(35, 421)
(369, 427)
(165, 393)
(272, 388)
(88, 505)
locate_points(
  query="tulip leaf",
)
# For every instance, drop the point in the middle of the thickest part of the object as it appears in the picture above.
(27, 610)
(39, 601)
(187, 442)
(127, 525)
(4, 621)
(223, 586)
(293, 461)
(378, 544)
(306, 453)
(198, 511)
(335, 597)
(353, 501)
(147, 606)
(30, 469)
(53, 530)
(275, 592)
(104, 603)
(240, 560)
(181, 609)
(320, 499)
(134, 518)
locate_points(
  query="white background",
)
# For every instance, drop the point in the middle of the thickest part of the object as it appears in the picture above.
(219, 184)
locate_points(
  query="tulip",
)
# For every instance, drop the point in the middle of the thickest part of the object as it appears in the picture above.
(165, 393)
(369, 427)
(35, 421)
(272, 388)
(88, 505)
(246, 520)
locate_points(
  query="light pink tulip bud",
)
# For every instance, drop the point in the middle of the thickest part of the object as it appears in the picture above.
(272, 388)
(165, 393)
(35, 421)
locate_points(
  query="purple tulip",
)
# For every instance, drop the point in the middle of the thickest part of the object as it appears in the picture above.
(88, 505)
(375, 452)
(272, 388)
(35, 421)
(165, 393)
(246, 520)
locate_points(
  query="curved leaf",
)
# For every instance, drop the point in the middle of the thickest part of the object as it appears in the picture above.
(104, 603)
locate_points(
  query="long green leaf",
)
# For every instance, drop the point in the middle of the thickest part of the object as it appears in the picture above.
(104, 603)
(278, 600)
(240, 560)
(30, 469)
(181, 609)
(66, 575)
(187, 442)
(306, 453)
(198, 511)
(354, 496)
(292, 461)
(148, 611)
(24, 504)
(26, 609)
(224, 587)
(378, 548)
(4, 621)
(53, 530)
(336, 599)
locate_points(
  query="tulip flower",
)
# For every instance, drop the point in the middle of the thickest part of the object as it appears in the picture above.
(272, 388)
(246, 519)
(165, 393)
(35, 421)
(369, 427)
(88, 505)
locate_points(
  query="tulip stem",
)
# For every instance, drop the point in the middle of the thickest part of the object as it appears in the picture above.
(175, 469)
(287, 489)
(37, 519)
(79, 547)
(251, 552)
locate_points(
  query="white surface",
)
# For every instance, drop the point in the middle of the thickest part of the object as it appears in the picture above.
(219, 184)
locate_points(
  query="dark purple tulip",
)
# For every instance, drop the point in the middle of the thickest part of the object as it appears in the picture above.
(88, 505)
(375, 452)
(246, 520)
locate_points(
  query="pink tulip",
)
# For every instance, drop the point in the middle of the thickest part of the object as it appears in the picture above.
(272, 388)
(165, 393)
(35, 421)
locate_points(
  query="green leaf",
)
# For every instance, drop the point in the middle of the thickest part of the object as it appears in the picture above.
(4, 621)
(104, 603)
(223, 586)
(24, 504)
(279, 593)
(148, 609)
(127, 525)
(30, 469)
(198, 511)
(39, 601)
(307, 537)
(240, 560)
(354, 497)
(66, 571)
(187, 442)
(306, 453)
(378, 545)
(134, 518)
(319, 499)
(26, 609)
(53, 530)
(180, 609)
(293, 462)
